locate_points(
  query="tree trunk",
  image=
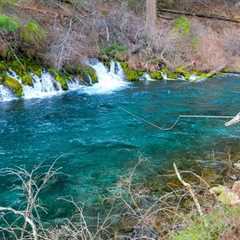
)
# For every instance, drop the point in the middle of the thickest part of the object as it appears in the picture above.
(151, 17)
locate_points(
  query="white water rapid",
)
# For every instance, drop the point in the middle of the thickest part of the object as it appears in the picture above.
(109, 80)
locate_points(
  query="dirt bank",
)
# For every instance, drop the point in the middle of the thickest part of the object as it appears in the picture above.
(116, 30)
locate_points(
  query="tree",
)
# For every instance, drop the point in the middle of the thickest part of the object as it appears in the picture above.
(151, 17)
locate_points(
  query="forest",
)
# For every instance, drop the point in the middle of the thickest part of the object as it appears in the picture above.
(119, 119)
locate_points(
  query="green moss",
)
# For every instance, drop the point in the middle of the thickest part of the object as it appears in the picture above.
(3, 67)
(182, 71)
(182, 25)
(60, 77)
(90, 72)
(113, 50)
(27, 79)
(131, 75)
(13, 85)
(36, 69)
(20, 67)
(8, 24)
(84, 71)
(32, 33)
(156, 75)
(171, 75)
(209, 227)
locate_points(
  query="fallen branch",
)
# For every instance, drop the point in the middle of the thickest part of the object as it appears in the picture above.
(233, 121)
(212, 17)
(25, 216)
(190, 190)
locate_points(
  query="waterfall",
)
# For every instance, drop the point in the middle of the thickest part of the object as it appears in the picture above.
(44, 86)
(109, 80)
(6, 94)
(146, 78)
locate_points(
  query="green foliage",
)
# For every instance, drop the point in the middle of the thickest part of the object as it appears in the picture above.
(3, 67)
(34, 68)
(32, 33)
(27, 79)
(209, 227)
(157, 75)
(60, 77)
(170, 74)
(22, 70)
(182, 25)
(8, 24)
(182, 71)
(113, 50)
(13, 85)
(131, 75)
(85, 71)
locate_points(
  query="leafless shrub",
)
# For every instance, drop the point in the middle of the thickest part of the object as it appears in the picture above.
(149, 216)
(32, 183)
(134, 211)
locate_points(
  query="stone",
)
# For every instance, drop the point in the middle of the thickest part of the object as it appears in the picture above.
(226, 195)
(236, 188)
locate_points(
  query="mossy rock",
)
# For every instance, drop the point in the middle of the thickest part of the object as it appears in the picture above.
(3, 67)
(27, 79)
(32, 67)
(170, 74)
(13, 85)
(157, 75)
(37, 70)
(131, 75)
(84, 71)
(60, 77)
(20, 67)
(32, 33)
(183, 72)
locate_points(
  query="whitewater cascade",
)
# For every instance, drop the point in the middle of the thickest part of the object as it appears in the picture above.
(109, 80)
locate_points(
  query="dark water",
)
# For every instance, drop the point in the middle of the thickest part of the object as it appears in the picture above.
(96, 141)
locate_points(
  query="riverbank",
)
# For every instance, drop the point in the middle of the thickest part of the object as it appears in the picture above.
(160, 207)
(62, 36)
(94, 162)
(27, 78)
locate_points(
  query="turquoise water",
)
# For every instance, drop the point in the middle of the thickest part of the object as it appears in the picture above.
(96, 142)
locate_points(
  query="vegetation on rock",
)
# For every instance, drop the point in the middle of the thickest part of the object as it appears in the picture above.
(60, 78)
(32, 33)
(131, 74)
(182, 25)
(8, 24)
(13, 85)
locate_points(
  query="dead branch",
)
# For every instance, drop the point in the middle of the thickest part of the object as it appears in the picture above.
(26, 218)
(199, 15)
(190, 190)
